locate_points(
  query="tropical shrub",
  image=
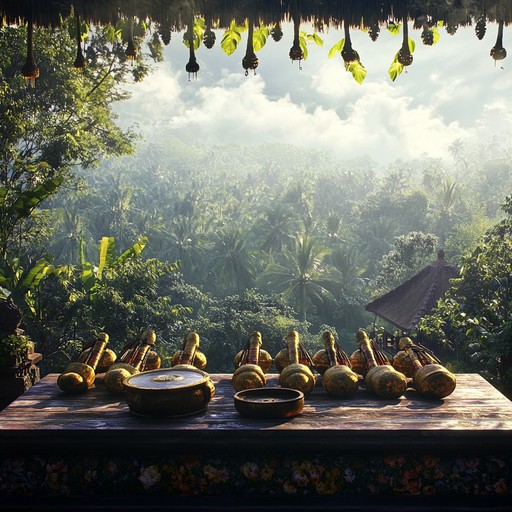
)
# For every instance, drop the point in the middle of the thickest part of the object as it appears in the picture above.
(475, 319)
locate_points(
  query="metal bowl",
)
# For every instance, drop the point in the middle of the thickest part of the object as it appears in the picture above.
(269, 402)
(169, 392)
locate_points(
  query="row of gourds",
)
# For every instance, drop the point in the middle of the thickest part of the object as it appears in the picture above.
(341, 375)
(80, 375)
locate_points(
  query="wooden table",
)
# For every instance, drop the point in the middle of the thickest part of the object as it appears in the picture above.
(347, 454)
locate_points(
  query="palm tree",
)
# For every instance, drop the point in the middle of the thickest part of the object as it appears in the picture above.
(456, 149)
(113, 210)
(298, 196)
(333, 226)
(348, 261)
(300, 274)
(120, 208)
(448, 196)
(66, 248)
(185, 244)
(233, 262)
(276, 227)
(377, 234)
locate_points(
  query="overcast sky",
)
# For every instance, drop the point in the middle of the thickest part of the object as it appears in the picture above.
(453, 90)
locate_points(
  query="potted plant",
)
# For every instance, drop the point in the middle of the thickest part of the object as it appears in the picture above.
(15, 350)
(18, 363)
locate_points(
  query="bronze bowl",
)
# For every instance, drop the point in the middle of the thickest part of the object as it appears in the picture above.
(169, 392)
(269, 402)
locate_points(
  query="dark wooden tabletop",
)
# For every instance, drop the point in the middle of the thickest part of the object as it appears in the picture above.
(474, 417)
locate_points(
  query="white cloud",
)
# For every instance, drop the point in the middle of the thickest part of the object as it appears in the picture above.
(156, 95)
(380, 123)
(495, 121)
(423, 111)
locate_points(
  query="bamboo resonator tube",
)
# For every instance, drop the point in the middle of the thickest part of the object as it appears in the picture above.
(250, 375)
(131, 361)
(282, 358)
(339, 379)
(190, 353)
(296, 375)
(382, 379)
(264, 358)
(78, 377)
(431, 380)
(189, 350)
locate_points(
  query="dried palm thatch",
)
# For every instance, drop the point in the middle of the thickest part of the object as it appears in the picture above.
(406, 304)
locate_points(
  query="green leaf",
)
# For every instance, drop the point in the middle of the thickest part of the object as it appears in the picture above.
(107, 248)
(30, 199)
(4, 282)
(199, 28)
(31, 277)
(84, 29)
(88, 276)
(3, 195)
(259, 38)
(337, 48)
(82, 251)
(232, 38)
(316, 38)
(7, 273)
(304, 46)
(199, 24)
(394, 28)
(18, 281)
(358, 71)
(412, 45)
(437, 35)
(133, 251)
(112, 34)
(196, 40)
(395, 69)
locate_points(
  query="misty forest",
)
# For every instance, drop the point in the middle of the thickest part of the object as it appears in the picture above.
(101, 230)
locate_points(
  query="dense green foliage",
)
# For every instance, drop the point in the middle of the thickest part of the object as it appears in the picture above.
(476, 317)
(176, 238)
(65, 121)
(14, 347)
(324, 235)
(225, 325)
(128, 296)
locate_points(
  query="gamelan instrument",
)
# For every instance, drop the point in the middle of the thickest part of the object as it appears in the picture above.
(80, 375)
(249, 373)
(190, 353)
(296, 375)
(338, 379)
(430, 378)
(132, 360)
(282, 358)
(381, 378)
(264, 358)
